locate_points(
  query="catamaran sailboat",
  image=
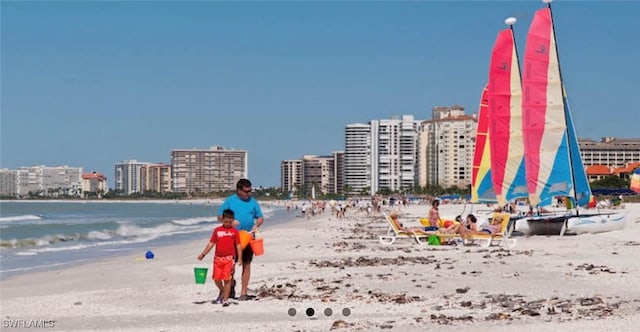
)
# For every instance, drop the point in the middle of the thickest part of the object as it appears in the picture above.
(552, 157)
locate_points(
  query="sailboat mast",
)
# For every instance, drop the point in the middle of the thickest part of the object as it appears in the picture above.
(510, 22)
(564, 94)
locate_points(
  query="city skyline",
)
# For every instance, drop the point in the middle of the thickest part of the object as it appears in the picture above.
(93, 84)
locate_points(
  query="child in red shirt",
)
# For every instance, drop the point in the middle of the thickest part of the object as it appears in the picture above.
(226, 239)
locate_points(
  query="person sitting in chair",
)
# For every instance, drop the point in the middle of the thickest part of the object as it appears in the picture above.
(450, 226)
(493, 228)
(395, 215)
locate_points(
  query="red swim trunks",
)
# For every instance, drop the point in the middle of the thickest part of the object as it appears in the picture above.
(223, 267)
(448, 223)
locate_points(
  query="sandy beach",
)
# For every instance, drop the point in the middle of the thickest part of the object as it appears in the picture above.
(340, 271)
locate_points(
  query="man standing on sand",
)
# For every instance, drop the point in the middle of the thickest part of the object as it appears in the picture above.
(434, 215)
(248, 218)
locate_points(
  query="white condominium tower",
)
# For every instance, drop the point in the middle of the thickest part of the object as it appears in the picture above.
(446, 147)
(49, 181)
(127, 176)
(357, 158)
(291, 175)
(381, 155)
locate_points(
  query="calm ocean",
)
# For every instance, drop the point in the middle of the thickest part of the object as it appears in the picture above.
(43, 235)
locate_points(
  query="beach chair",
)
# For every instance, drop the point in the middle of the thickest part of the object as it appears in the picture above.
(443, 237)
(394, 233)
(486, 240)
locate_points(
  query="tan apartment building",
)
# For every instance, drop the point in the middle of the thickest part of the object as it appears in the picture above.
(156, 177)
(446, 146)
(207, 170)
(324, 173)
(318, 173)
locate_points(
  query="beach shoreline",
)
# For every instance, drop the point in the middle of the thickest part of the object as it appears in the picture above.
(587, 282)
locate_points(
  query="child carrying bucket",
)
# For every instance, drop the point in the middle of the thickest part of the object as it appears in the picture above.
(226, 239)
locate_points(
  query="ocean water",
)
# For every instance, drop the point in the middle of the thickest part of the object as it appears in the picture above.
(44, 235)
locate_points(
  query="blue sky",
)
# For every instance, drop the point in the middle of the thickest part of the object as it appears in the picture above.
(90, 84)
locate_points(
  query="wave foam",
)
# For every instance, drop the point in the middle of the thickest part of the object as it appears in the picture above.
(20, 218)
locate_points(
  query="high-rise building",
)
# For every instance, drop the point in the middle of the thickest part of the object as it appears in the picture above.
(338, 172)
(311, 174)
(358, 158)
(49, 181)
(318, 173)
(396, 141)
(208, 170)
(447, 144)
(291, 175)
(8, 182)
(381, 155)
(127, 176)
(156, 177)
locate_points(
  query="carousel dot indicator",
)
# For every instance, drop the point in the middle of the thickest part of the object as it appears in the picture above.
(346, 312)
(292, 312)
(310, 312)
(328, 312)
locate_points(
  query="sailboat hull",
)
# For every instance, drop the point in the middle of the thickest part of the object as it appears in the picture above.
(596, 223)
(575, 224)
(546, 225)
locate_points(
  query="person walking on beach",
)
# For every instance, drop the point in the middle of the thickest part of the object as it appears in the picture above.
(248, 218)
(226, 239)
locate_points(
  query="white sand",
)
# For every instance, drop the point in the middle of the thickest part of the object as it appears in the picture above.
(591, 281)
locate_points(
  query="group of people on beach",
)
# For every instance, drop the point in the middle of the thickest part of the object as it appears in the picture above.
(239, 212)
(465, 228)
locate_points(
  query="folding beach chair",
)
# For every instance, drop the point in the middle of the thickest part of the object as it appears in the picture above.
(394, 233)
(501, 237)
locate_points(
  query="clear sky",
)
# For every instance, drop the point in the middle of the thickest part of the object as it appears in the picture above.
(90, 84)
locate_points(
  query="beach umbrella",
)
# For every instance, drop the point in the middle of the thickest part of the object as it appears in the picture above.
(635, 180)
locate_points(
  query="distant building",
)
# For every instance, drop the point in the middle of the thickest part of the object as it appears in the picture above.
(156, 177)
(291, 175)
(8, 183)
(299, 176)
(338, 169)
(397, 142)
(610, 151)
(626, 171)
(318, 173)
(46, 181)
(207, 170)
(94, 185)
(381, 155)
(447, 144)
(597, 172)
(127, 176)
(358, 151)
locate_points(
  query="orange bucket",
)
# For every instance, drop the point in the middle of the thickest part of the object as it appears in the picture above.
(257, 246)
(245, 238)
